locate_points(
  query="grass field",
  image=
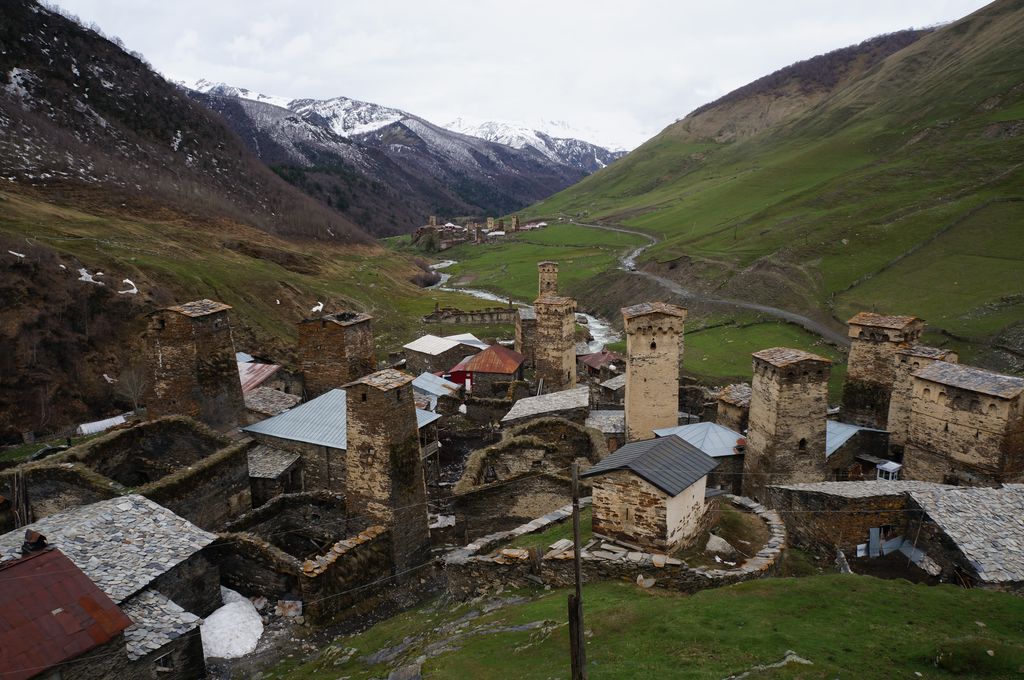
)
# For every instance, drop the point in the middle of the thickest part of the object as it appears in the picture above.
(852, 627)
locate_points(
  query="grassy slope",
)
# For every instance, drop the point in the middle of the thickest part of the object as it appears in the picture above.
(847, 626)
(187, 257)
(879, 168)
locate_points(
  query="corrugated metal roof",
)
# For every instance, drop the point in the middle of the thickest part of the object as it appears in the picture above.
(837, 434)
(431, 345)
(98, 426)
(973, 379)
(252, 375)
(711, 438)
(599, 360)
(424, 418)
(495, 359)
(670, 463)
(468, 339)
(50, 612)
(321, 422)
(435, 385)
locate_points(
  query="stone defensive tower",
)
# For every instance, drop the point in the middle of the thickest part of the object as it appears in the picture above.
(547, 278)
(193, 370)
(654, 350)
(909, 360)
(335, 349)
(384, 472)
(490, 224)
(788, 409)
(515, 222)
(554, 350)
(871, 366)
(526, 334)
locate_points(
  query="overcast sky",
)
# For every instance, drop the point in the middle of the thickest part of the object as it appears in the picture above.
(621, 70)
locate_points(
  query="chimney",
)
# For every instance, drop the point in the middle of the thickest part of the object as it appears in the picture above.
(34, 542)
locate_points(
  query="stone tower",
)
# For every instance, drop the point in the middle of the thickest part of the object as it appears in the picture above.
(515, 222)
(490, 224)
(554, 350)
(654, 349)
(871, 366)
(547, 278)
(335, 349)
(383, 469)
(433, 221)
(908, 360)
(193, 370)
(478, 233)
(788, 409)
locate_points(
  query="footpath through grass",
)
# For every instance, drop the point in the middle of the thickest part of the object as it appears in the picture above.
(852, 627)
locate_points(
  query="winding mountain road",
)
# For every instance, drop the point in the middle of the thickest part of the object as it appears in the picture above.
(628, 263)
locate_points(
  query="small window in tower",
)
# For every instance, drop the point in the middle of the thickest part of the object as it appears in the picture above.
(802, 445)
(654, 345)
(398, 395)
(363, 396)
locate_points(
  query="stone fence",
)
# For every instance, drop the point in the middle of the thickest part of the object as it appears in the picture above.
(472, 570)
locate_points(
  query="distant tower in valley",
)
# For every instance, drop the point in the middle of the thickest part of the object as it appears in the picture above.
(654, 332)
(193, 366)
(384, 472)
(871, 366)
(554, 351)
(548, 278)
(788, 410)
(335, 349)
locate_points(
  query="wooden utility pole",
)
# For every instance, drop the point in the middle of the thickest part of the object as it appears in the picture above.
(577, 644)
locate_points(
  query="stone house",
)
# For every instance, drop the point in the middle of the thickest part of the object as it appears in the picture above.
(654, 351)
(433, 354)
(150, 562)
(191, 358)
(871, 365)
(489, 372)
(334, 349)
(55, 622)
(733, 407)
(651, 493)
(726, 446)
(966, 426)
(908, 361)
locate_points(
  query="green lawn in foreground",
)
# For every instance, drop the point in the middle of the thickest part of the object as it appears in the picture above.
(854, 627)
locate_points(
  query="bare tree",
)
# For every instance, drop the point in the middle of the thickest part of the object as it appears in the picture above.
(132, 383)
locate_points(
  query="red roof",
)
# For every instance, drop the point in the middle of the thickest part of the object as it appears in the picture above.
(253, 375)
(598, 360)
(494, 359)
(50, 612)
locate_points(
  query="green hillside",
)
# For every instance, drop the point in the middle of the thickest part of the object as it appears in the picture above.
(899, 189)
(840, 626)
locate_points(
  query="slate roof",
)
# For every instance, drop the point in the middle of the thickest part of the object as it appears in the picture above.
(495, 359)
(652, 308)
(549, 404)
(616, 383)
(784, 356)
(528, 313)
(252, 374)
(268, 462)
(322, 421)
(837, 434)
(269, 401)
(671, 464)
(883, 321)
(199, 308)
(387, 379)
(711, 438)
(973, 379)
(865, 489)
(50, 612)
(555, 300)
(737, 394)
(157, 621)
(925, 351)
(122, 544)
(607, 422)
(986, 524)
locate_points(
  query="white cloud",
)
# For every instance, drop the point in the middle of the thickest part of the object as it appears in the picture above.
(626, 69)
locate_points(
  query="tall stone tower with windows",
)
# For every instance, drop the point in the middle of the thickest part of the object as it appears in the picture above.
(788, 410)
(548, 278)
(384, 472)
(335, 349)
(554, 351)
(909, 360)
(193, 371)
(871, 366)
(654, 350)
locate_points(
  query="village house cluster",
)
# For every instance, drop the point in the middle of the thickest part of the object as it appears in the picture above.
(321, 486)
(444, 236)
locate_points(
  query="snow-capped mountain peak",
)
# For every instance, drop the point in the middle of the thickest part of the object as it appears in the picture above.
(225, 90)
(346, 116)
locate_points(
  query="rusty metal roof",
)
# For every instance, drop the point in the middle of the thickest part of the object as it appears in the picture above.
(599, 360)
(50, 613)
(737, 394)
(785, 356)
(252, 375)
(199, 308)
(653, 308)
(972, 379)
(495, 359)
(883, 321)
(387, 379)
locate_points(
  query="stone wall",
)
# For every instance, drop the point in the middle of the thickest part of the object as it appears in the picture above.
(484, 410)
(628, 508)
(334, 350)
(732, 416)
(728, 476)
(418, 362)
(843, 464)
(901, 398)
(654, 350)
(484, 317)
(555, 346)
(300, 523)
(472, 572)
(252, 566)
(871, 370)
(53, 487)
(193, 368)
(504, 505)
(960, 436)
(323, 467)
(786, 438)
(353, 570)
(194, 583)
(526, 332)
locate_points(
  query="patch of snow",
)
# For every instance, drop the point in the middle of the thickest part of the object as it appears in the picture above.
(232, 631)
(442, 521)
(18, 255)
(110, 381)
(131, 291)
(84, 275)
(319, 307)
(176, 140)
(100, 425)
